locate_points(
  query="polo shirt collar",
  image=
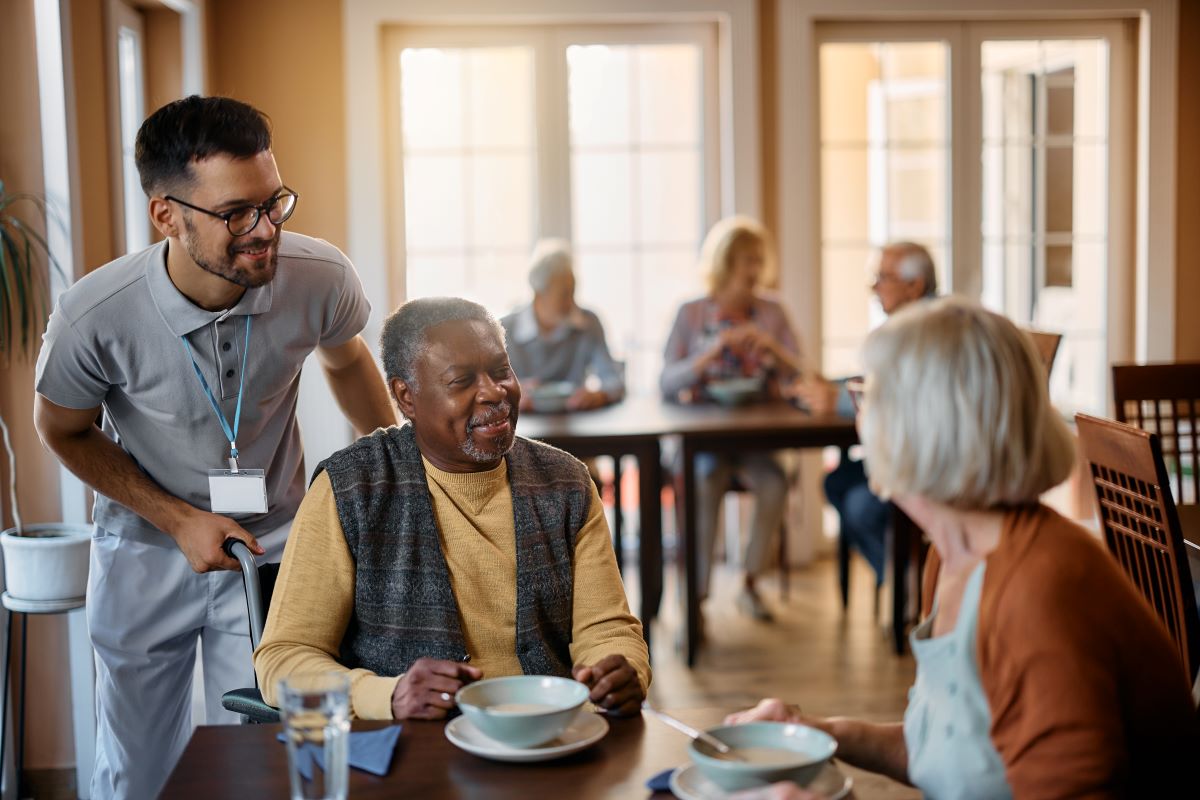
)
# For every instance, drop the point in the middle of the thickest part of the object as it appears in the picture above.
(525, 327)
(181, 314)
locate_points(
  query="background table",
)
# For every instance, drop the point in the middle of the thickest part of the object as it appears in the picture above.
(245, 761)
(635, 426)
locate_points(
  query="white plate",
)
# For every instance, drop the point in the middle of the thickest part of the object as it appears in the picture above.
(688, 784)
(585, 731)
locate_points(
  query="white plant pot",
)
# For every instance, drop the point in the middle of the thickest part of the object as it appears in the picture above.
(47, 561)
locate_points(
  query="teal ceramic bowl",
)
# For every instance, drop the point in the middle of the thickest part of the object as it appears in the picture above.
(523, 710)
(735, 391)
(774, 751)
(551, 398)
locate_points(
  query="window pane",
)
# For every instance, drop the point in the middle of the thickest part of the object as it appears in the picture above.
(1045, 190)
(599, 87)
(884, 167)
(664, 178)
(638, 190)
(469, 175)
(669, 102)
(433, 202)
(601, 198)
(499, 81)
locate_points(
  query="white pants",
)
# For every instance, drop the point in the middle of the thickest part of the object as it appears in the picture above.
(146, 611)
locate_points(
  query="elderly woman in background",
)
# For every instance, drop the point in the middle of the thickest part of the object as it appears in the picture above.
(1040, 670)
(734, 331)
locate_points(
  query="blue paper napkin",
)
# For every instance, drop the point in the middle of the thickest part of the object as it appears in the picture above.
(660, 782)
(370, 751)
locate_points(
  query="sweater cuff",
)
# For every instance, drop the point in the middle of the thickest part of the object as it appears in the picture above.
(371, 697)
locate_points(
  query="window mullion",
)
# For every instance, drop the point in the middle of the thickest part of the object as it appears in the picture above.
(553, 136)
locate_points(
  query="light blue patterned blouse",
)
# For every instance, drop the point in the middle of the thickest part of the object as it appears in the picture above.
(947, 722)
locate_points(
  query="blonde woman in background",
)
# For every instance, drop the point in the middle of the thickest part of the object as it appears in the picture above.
(734, 331)
(1041, 672)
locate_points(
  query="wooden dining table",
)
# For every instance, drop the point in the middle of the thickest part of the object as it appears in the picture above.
(246, 761)
(636, 426)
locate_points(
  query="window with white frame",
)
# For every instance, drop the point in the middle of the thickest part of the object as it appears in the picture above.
(605, 136)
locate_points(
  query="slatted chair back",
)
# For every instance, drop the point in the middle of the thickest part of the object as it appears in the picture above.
(1164, 399)
(1047, 347)
(1141, 525)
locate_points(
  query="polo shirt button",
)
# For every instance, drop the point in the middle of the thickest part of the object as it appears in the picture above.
(952, 688)
(226, 347)
(228, 373)
(949, 731)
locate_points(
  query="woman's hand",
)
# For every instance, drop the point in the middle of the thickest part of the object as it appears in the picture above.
(771, 709)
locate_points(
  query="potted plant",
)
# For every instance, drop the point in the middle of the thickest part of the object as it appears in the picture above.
(46, 564)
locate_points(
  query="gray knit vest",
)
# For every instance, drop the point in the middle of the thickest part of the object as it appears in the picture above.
(404, 605)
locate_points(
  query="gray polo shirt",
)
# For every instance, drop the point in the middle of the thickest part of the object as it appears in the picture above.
(114, 340)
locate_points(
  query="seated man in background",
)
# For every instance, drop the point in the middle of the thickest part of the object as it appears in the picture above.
(450, 540)
(552, 340)
(905, 274)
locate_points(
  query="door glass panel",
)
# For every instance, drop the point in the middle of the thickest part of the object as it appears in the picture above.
(467, 122)
(885, 166)
(638, 191)
(1045, 189)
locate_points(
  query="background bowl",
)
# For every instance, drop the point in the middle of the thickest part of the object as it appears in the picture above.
(540, 707)
(735, 391)
(552, 397)
(812, 749)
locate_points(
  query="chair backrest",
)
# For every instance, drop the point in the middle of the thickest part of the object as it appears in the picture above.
(1141, 525)
(1047, 347)
(1165, 399)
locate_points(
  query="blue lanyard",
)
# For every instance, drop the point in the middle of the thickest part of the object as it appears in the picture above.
(230, 433)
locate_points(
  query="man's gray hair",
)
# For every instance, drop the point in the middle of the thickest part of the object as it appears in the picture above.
(915, 264)
(405, 333)
(550, 257)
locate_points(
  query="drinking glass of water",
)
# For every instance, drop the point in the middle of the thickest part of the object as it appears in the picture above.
(316, 723)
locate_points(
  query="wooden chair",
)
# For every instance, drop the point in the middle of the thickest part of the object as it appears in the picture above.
(1141, 526)
(1164, 399)
(1047, 347)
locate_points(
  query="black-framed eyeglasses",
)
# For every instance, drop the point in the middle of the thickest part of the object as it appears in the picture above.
(243, 219)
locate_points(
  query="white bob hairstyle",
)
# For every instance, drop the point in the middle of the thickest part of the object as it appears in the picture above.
(956, 409)
(550, 257)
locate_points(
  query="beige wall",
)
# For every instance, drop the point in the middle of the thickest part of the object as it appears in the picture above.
(164, 62)
(1187, 238)
(295, 76)
(48, 739)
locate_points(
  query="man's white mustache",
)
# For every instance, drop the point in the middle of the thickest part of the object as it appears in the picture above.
(501, 413)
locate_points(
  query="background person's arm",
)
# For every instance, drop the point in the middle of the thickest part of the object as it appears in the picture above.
(71, 434)
(357, 385)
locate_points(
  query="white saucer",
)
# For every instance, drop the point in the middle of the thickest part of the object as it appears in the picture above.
(585, 731)
(688, 784)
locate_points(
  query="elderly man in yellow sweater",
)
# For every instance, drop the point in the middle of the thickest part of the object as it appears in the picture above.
(433, 554)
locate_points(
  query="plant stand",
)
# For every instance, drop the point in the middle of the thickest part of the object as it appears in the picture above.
(16, 606)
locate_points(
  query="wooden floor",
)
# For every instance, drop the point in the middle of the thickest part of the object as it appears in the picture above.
(830, 662)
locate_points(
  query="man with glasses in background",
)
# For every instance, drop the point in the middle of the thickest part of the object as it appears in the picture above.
(905, 274)
(192, 350)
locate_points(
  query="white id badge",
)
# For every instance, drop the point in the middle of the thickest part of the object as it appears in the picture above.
(241, 492)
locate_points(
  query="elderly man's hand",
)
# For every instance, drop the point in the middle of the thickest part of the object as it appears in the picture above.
(777, 791)
(427, 690)
(614, 684)
(771, 709)
(585, 399)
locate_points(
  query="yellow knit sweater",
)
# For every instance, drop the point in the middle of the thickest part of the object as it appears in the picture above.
(314, 596)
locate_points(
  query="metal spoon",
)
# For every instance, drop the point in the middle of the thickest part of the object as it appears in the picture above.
(712, 741)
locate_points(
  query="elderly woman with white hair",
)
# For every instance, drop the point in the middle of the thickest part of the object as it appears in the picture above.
(734, 331)
(1040, 670)
(552, 340)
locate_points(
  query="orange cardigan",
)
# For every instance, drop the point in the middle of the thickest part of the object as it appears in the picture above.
(1087, 694)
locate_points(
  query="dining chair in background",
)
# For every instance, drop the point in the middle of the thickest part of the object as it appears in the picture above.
(1164, 399)
(1141, 526)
